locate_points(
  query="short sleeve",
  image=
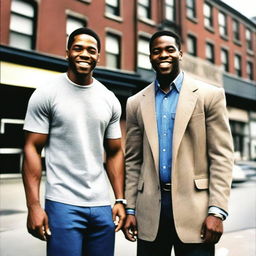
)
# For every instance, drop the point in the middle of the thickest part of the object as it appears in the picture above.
(38, 113)
(113, 130)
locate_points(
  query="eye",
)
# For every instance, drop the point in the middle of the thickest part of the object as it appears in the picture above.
(171, 49)
(92, 50)
(77, 48)
(155, 51)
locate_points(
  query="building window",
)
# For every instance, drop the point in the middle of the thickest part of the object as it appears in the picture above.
(113, 7)
(144, 9)
(208, 17)
(113, 56)
(238, 65)
(236, 30)
(240, 134)
(249, 69)
(143, 53)
(74, 23)
(209, 52)
(191, 9)
(22, 24)
(192, 45)
(170, 10)
(223, 24)
(248, 36)
(224, 60)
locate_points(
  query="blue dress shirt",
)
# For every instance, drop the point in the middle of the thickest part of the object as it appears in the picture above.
(166, 104)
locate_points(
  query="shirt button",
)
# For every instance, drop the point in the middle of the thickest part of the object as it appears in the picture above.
(165, 134)
(164, 167)
(164, 149)
(164, 116)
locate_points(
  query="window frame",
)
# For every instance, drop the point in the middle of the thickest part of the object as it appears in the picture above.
(236, 30)
(172, 7)
(223, 28)
(208, 18)
(249, 43)
(116, 10)
(144, 54)
(238, 72)
(191, 9)
(74, 17)
(147, 8)
(33, 20)
(250, 74)
(212, 50)
(225, 64)
(109, 53)
(194, 44)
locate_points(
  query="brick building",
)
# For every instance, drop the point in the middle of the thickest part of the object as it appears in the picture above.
(218, 41)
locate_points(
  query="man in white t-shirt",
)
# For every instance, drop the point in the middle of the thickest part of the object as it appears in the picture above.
(74, 117)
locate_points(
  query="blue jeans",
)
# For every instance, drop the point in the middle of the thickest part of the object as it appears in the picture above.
(168, 238)
(80, 231)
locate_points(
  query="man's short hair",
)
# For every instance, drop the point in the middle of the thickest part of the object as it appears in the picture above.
(80, 31)
(165, 33)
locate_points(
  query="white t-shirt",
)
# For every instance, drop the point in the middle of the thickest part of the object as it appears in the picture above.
(77, 119)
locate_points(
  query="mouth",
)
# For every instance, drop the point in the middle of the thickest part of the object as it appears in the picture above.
(83, 64)
(164, 64)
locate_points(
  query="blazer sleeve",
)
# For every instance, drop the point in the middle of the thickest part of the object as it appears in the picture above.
(133, 152)
(220, 150)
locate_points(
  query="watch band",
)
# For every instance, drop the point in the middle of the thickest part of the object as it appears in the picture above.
(217, 215)
(121, 201)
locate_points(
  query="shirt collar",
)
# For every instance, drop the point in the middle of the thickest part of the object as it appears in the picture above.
(176, 83)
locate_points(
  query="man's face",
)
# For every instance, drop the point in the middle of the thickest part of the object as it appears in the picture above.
(165, 56)
(83, 55)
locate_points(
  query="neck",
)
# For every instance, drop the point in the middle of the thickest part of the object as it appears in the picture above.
(81, 79)
(165, 81)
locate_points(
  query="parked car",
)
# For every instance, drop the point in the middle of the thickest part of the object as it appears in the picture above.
(238, 175)
(248, 167)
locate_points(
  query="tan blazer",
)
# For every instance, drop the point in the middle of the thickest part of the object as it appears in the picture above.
(202, 159)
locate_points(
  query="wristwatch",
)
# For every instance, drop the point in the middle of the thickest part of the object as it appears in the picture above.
(217, 215)
(121, 201)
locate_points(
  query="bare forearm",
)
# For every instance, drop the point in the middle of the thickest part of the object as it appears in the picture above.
(32, 172)
(115, 170)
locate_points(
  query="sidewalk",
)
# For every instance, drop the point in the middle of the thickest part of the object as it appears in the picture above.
(14, 239)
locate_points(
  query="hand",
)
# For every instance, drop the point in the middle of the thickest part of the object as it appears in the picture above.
(130, 228)
(212, 229)
(37, 222)
(118, 215)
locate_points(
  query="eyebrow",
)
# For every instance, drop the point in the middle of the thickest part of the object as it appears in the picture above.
(166, 47)
(82, 45)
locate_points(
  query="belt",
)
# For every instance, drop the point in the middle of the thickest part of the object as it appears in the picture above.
(166, 187)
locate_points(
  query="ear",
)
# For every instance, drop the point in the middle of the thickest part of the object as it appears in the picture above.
(67, 53)
(180, 55)
(149, 56)
(98, 60)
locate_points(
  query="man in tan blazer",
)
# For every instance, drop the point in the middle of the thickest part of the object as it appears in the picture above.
(179, 158)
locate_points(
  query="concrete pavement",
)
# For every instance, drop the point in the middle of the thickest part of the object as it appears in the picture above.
(14, 239)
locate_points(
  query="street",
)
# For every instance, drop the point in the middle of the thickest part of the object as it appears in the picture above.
(238, 239)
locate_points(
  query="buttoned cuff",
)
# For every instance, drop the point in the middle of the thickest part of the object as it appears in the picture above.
(217, 210)
(130, 211)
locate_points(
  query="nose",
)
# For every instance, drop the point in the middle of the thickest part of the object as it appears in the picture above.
(164, 54)
(84, 54)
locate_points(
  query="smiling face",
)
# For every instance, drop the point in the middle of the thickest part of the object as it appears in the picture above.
(165, 56)
(82, 56)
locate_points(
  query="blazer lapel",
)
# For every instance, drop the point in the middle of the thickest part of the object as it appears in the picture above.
(149, 118)
(187, 100)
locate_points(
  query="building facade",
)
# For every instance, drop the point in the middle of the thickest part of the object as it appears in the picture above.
(218, 44)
